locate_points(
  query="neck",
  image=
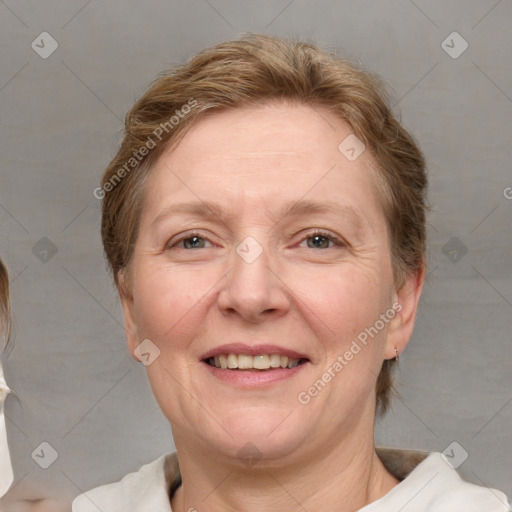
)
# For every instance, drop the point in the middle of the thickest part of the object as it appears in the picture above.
(342, 478)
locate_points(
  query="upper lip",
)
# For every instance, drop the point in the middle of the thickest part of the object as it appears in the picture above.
(252, 350)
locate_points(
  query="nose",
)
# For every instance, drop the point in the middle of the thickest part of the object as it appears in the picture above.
(253, 288)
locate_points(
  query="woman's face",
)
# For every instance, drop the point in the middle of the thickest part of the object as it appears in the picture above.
(221, 259)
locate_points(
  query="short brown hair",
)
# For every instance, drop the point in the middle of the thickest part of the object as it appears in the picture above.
(249, 71)
(5, 308)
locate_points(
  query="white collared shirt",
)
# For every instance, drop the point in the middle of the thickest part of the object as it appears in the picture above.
(430, 484)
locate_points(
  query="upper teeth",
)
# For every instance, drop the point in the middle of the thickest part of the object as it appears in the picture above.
(247, 362)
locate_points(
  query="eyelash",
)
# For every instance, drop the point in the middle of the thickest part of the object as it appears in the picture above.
(327, 234)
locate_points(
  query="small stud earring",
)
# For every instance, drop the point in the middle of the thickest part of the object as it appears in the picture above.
(396, 354)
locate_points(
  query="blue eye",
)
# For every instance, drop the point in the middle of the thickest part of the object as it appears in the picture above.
(190, 241)
(195, 242)
(321, 240)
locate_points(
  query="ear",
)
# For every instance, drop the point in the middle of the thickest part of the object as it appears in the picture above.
(406, 299)
(127, 303)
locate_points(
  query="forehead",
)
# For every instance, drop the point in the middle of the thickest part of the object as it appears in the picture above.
(277, 152)
(278, 127)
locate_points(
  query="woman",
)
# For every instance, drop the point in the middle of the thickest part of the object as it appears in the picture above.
(264, 220)
(12, 504)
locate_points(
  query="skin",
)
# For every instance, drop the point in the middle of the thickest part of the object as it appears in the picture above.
(313, 298)
(42, 505)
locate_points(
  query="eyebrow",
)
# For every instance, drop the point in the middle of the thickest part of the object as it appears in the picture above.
(294, 208)
(205, 209)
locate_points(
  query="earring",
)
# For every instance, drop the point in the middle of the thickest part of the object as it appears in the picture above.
(397, 357)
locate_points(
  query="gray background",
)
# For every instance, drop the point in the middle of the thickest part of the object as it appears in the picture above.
(76, 386)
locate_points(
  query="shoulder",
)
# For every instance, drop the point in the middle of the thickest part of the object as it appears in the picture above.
(434, 485)
(145, 489)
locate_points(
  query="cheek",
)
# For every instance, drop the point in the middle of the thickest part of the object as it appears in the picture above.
(347, 308)
(344, 302)
(168, 302)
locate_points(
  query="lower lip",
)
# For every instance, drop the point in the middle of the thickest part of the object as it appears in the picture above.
(254, 378)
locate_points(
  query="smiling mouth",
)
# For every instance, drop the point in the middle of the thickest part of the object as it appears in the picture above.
(262, 362)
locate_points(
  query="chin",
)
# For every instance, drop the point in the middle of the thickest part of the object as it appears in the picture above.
(259, 435)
